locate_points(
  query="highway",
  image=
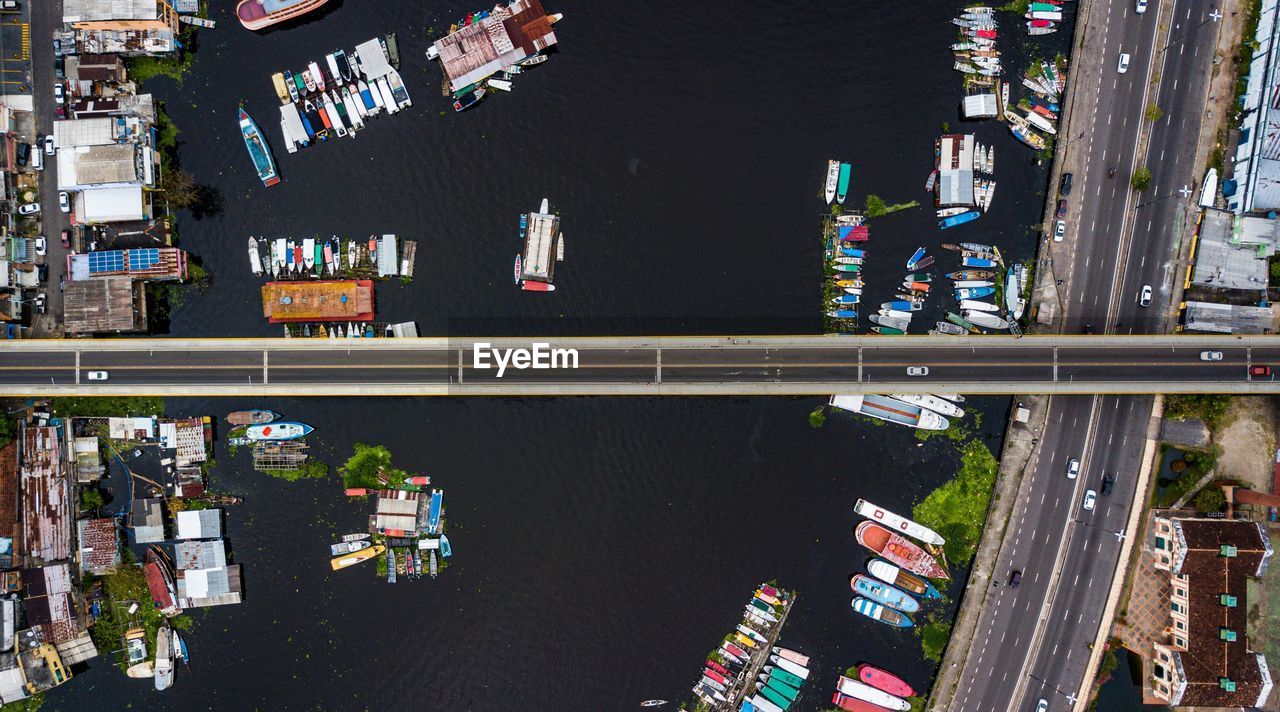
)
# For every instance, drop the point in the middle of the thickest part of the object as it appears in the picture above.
(757, 365)
(1033, 642)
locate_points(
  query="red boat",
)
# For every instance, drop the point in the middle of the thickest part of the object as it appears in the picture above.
(736, 650)
(1040, 23)
(717, 667)
(917, 286)
(770, 590)
(853, 704)
(884, 680)
(985, 34)
(898, 550)
(356, 491)
(716, 676)
(421, 481)
(531, 286)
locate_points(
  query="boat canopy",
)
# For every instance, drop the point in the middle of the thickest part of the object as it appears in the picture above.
(373, 60)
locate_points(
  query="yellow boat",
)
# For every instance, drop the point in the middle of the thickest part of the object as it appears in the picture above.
(278, 80)
(849, 283)
(744, 640)
(342, 562)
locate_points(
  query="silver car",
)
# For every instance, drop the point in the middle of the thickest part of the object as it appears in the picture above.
(1090, 498)
(917, 370)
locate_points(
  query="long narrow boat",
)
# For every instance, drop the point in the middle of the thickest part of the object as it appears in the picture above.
(342, 562)
(977, 262)
(863, 691)
(833, 180)
(975, 293)
(955, 220)
(164, 658)
(883, 593)
(278, 431)
(933, 176)
(842, 189)
(891, 410)
(898, 549)
(256, 144)
(334, 71)
(890, 520)
(781, 686)
(933, 403)
(945, 327)
(972, 283)
(348, 547)
(984, 319)
(885, 681)
(251, 417)
(787, 677)
(793, 656)
(773, 696)
(799, 671)
(433, 516)
(971, 274)
(881, 614)
(260, 14)
(976, 305)
(354, 537)
(853, 704)
(915, 258)
(960, 321)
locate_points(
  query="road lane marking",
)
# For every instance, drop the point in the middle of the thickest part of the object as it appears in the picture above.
(265, 380)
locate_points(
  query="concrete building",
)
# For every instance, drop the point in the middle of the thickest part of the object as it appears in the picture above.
(955, 155)
(1228, 318)
(109, 160)
(103, 306)
(1205, 659)
(129, 27)
(508, 35)
(1232, 250)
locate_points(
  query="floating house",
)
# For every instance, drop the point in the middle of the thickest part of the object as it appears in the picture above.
(398, 513)
(345, 300)
(542, 246)
(508, 35)
(955, 154)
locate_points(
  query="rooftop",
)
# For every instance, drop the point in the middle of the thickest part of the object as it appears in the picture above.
(1223, 261)
(508, 35)
(199, 524)
(318, 301)
(104, 305)
(45, 496)
(103, 10)
(99, 545)
(1228, 318)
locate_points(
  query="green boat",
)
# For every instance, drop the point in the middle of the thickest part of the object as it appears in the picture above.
(842, 189)
(782, 688)
(1043, 7)
(787, 677)
(958, 320)
(772, 695)
(847, 268)
(888, 331)
(319, 256)
(919, 277)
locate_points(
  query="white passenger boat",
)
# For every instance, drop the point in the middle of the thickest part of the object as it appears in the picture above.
(895, 522)
(388, 99)
(978, 305)
(833, 179)
(398, 91)
(933, 403)
(255, 259)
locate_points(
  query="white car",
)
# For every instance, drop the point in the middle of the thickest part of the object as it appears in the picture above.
(1042, 705)
(1123, 66)
(59, 93)
(1060, 231)
(40, 245)
(49, 148)
(29, 209)
(917, 370)
(97, 375)
(1210, 355)
(1073, 468)
(1144, 299)
(1142, 6)
(1090, 497)
(64, 201)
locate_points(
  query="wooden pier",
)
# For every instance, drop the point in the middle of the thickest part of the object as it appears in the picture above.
(748, 684)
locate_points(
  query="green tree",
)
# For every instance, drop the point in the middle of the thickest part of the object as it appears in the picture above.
(91, 499)
(1154, 113)
(369, 466)
(1141, 179)
(7, 430)
(817, 417)
(180, 188)
(1210, 499)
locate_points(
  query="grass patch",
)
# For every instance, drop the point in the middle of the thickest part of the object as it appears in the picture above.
(310, 470)
(876, 206)
(30, 704)
(107, 406)
(1209, 408)
(956, 432)
(370, 467)
(958, 509)
(934, 635)
(818, 417)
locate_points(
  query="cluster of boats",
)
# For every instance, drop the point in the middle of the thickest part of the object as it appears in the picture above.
(727, 671)
(1046, 80)
(1043, 16)
(836, 187)
(170, 648)
(974, 284)
(976, 52)
(874, 690)
(314, 257)
(336, 95)
(887, 592)
(926, 412)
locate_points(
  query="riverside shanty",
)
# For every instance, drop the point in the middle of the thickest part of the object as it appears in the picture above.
(478, 46)
(406, 529)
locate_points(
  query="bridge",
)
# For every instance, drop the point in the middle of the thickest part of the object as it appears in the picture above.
(680, 366)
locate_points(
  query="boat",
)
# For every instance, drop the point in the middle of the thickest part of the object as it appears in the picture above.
(931, 180)
(853, 252)
(164, 658)
(842, 189)
(867, 693)
(977, 262)
(354, 109)
(847, 268)
(777, 691)
(391, 565)
(342, 562)
(1057, 16)
(433, 515)
(446, 549)
(897, 314)
(256, 144)
(843, 314)
(944, 327)
(791, 655)
(915, 258)
(468, 100)
(398, 91)
(903, 305)
(975, 292)
(892, 322)
(344, 65)
(251, 417)
(261, 14)
(653, 703)
(926, 261)
(853, 704)
(1040, 122)
(530, 285)
(282, 92)
(503, 84)
(883, 593)
(890, 520)
(975, 247)
(798, 670)
(780, 674)
(333, 253)
(898, 549)
(833, 180)
(989, 321)
(335, 116)
(891, 410)
(433, 565)
(290, 86)
(962, 218)
(971, 274)
(334, 72)
(354, 537)
(710, 695)
(847, 260)
(948, 212)
(752, 634)
(895, 576)
(882, 614)
(885, 681)
(1022, 131)
(371, 107)
(919, 277)
(277, 431)
(353, 254)
(888, 331)
(348, 547)
(533, 61)
(317, 76)
(976, 305)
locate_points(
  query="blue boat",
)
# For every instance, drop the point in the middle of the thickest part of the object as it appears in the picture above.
(306, 124)
(446, 549)
(843, 314)
(846, 299)
(883, 614)
(976, 262)
(901, 305)
(852, 252)
(960, 219)
(915, 258)
(256, 144)
(433, 513)
(884, 594)
(975, 292)
(524, 223)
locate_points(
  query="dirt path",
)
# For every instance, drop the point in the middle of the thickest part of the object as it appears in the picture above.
(1248, 442)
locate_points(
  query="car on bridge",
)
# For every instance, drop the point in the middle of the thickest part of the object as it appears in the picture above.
(97, 375)
(917, 370)
(1090, 498)
(1210, 355)
(1108, 483)
(1144, 299)
(1042, 705)
(1142, 6)
(1259, 371)
(1073, 468)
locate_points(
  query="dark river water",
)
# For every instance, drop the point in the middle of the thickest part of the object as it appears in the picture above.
(602, 546)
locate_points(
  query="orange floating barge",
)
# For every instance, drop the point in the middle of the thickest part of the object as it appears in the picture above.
(330, 300)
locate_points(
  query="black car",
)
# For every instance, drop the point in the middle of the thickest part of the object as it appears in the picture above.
(1015, 578)
(1108, 481)
(1064, 185)
(60, 67)
(24, 154)
(1062, 209)
(43, 272)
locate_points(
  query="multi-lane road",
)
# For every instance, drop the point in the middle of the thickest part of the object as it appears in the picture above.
(1033, 642)
(643, 365)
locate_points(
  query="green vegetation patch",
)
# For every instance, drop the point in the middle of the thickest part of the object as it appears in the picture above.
(8, 430)
(310, 470)
(1209, 408)
(958, 509)
(31, 704)
(370, 467)
(876, 206)
(107, 406)
(934, 636)
(126, 585)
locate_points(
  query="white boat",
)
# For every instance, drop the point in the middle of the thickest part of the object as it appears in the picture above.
(986, 320)
(276, 256)
(1209, 189)
(164, 658)
(833, 179)
(374, 96)
(763, 705)
(933, 403)
(334, 117)
(353, 254)
(388, 99)
(799, 671)
(898, 523)
(398, 92)
(353, 113)
(953, 397)
(896, 314)
(502, 84)
(867, 693)
(948, 212)
(316, 76)
(1040, 122)
(355, 99)
(1044, 16)
(977, 305)
(354, 537)
(309, 253)
(348, 547)
(333, 69)
(970, 283)
(890, 410)
(255, 259)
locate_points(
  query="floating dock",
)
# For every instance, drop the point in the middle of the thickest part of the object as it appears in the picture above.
(350, 300)
(541, 246)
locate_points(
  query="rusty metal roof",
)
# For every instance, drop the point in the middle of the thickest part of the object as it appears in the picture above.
(45, 496)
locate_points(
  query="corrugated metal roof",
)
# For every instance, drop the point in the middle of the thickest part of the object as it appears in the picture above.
(388, 257)
(192, 555)
(45, 496)
(200, 524)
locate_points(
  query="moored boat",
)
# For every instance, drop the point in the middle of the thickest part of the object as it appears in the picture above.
(890, 409)
(955, 220)
(348, 547)
(977, 262)
(863, 691)
(881, 614)
(842, 189)
(853, 704)
(975, 292)
(164, 658)
(883, 516)
(833, 180)
(976, 305)
(260, 14)
(898, 550)
(971, 274)
(799, 671)
(278, 431)
(354, 537)
(251, 417)
(885, 681)
(342, 562)
(915, 258)
(883, 593)
(256, 144)
(987, 320)
(793, 656)
(468, 100)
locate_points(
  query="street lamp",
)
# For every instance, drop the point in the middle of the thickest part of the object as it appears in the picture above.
(1185, 192)
(1214, 16)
